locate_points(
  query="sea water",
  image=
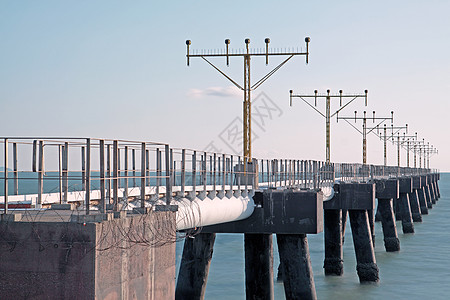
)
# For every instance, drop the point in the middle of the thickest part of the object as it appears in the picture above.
(420, 270)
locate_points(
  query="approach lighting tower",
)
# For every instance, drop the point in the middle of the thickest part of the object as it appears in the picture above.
(247, 54)
(365, 130)
(395, 133)
(327, 115)
(407, 139)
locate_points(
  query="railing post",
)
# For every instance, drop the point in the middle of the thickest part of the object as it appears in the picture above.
(102, 176)
(168, 176)
(115, 175)
(223, 173)
(204, 177)
(5, 187)
(316, 179)
(194, 173)
(83, 168)
(108, 172)
(60, 188)
(16, 178)
(143, 173)
(214, 174)
(125, 184)
(40, 173)
(147, 167)
(239, 174)
(65, 167)
(33, 164)
(133, 166)
(183, 171)
(88, 175)
(231, 172)
(158, 171)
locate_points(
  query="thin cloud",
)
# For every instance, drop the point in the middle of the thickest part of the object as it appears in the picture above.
(215, 91)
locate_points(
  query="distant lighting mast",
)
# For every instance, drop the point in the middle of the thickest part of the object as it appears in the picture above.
(248, 87)
(366, 130)
(327, 115)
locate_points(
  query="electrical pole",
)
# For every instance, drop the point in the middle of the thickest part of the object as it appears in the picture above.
(327, 115)
(366, 130)
(247, 54)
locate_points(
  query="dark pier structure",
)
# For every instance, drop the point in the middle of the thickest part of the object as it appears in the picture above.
(291, 214)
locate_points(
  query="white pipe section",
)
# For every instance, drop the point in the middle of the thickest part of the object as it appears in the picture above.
(328, 193)
(204, 212)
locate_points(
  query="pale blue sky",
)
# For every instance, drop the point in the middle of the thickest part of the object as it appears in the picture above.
(117, 69)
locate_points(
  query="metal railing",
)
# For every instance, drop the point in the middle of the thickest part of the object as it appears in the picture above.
(100, 174)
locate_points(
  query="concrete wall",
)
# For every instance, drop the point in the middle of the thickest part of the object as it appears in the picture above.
(117, 259)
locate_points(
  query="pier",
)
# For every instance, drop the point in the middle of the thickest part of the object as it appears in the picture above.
(71, 204)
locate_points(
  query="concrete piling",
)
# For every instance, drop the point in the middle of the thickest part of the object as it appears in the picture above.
(414, 200)
(296, 265)
(258, 266)
(386, 190)
(371, 224)
(423, 201)
(405, 188)
(194, 267)
(428, 197)
(407, 221)
(415, 206)
(391, 241)
(366, 265)
(333, 227)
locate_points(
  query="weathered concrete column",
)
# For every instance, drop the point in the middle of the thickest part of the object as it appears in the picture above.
(434, 183)
(429, 197)
(344, 223)
(423, 201)
(258, 266)
(438, 176)
(414, 200)
(296, 265)
(334, 262)
(406, 187)
(366, 265)
(194, 268)
(396, 204)
(431, 188)
(407, 221)
(371, 224)
(386, 190)
(426, 195)
(391, 241)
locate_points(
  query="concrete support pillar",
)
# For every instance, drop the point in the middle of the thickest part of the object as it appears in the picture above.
(432, 193)
(428, 196)
(334, 262)
(391, 241)
(371, 224)
(405, 212)
(366, 265)
(415, 206)
(344, 223)
(397, 209)
(194, 268)
(258, 266)
(296, 265)
(423, 201)
(437, 187)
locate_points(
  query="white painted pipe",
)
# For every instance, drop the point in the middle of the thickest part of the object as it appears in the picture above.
(204, 212)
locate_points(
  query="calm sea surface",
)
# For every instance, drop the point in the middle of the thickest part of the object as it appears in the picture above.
(421, 270)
